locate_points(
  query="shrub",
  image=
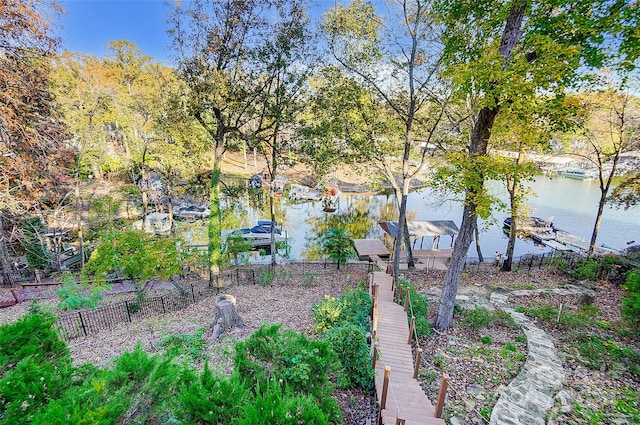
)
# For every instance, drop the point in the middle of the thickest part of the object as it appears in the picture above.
(209, 399)
(631, 302)
(326, 313)
(351, 307)
(266, 276)
(301, 364)
(585, 269)
(485, 339)
(349, 342)
(275, 406)
(74, 296)
(419, 307)
(187, 346)
(476, 318)
(35, 366)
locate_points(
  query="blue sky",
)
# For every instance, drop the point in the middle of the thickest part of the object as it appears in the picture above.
(88, 25)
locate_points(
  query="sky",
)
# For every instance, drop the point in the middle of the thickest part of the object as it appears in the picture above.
(88, 25)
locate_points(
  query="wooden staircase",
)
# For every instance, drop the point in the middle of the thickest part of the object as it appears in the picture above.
(402, 401)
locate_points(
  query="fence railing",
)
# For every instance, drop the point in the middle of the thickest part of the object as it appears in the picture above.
(88, 322)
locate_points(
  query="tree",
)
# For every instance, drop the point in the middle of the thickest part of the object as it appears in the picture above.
(216, 44)
(613, 129)
(337, 244)
(31, 134)
(505, 53)
(135, 254)
(285, 58)
(401, 65)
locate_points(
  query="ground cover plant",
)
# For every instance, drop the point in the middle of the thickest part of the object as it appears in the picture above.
(279, 377)
(482, 353)
(600, 352)
(477, 353)
(180, 377)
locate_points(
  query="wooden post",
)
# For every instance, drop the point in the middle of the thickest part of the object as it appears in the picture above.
(385, 387)
(375, 322)
(375, 356)
(441, 395)
(376, 289)
(416, 368)
(412, 327)
(406, 300)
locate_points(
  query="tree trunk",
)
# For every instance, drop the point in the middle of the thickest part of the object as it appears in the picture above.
(215, 219)
(444, 319)
(5, 260)
(508, 256)
(478, 147)
(478, 247)
(225, 316)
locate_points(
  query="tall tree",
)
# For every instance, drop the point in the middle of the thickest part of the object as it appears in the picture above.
(398, 59)
(286, 61)
(508, 51)
(613, 128)
(216, 42)
(34, 159)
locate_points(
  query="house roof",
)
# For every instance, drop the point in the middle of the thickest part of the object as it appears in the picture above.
(419, 229)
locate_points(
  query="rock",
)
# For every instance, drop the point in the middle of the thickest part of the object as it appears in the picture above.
(476, 389)
(469, 405)
(564, 398)
(456, 420)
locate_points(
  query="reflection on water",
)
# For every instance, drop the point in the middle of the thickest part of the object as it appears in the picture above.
(571, 203)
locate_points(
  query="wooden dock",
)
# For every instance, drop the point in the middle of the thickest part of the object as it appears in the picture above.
(402, 400)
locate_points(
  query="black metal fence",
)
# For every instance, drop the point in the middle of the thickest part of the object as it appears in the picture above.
(523, 262)
(87, 322)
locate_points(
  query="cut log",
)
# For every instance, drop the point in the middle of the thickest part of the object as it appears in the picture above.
(225, 315)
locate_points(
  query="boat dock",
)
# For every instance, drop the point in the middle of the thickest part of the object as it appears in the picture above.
(559, 240)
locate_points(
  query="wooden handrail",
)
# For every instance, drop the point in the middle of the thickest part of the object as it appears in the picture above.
(406, 300)
(412, 327)
(385, 387)
(375, 356)
(416, 368)
(441, 395)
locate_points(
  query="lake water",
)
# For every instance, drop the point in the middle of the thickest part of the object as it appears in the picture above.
(572, 204)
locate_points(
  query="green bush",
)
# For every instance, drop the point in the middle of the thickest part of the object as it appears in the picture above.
(209, 399)
(35, 367)
(276, 406)
(631, 302)
(476, 318)
(73, 295)
(419, 307)
(189, 347)
(301, 364)
(266, 276)
(353, 307)
(349, 342)
(585, 269)
(326, 313)
(603, 352)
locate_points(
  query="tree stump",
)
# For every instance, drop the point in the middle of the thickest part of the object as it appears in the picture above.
(225, 315)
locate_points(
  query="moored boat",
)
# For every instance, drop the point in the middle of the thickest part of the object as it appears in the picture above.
(258, 235)
(578, 173)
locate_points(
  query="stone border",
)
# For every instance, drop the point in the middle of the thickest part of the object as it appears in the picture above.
(531, 395)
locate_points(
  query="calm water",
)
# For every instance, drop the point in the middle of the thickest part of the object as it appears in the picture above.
(571, 203)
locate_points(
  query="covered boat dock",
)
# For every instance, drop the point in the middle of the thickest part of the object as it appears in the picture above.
(424, 228)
